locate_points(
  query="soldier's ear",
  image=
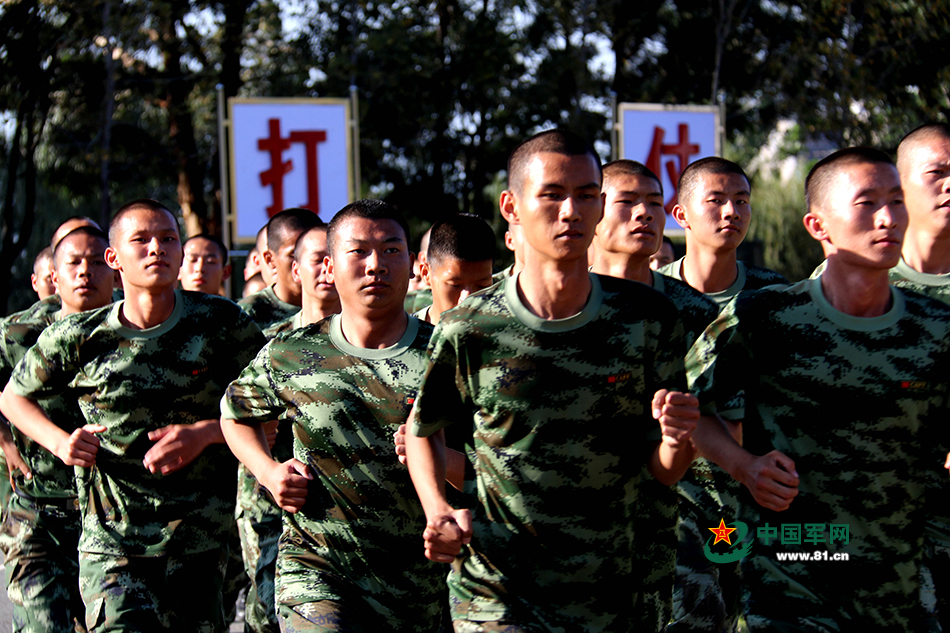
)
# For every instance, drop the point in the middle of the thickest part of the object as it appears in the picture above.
(328, 266)
(508, 206)
(112, 259)
(679, 214)
(815, 226)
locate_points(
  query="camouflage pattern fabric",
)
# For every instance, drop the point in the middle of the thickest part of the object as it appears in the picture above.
(749, 278)
(705, 596)
(859, 405)
(561, 431)
(39, 311)
(937, 550)
(42, 525)
(502, 275)
(132, 382)
(696, 309)
(254, 504)
(266, 308)
(356, 540)
(153, 593)
(51, 478)
(417, 299)
(42, 567)
(259, 523)
(936, 588)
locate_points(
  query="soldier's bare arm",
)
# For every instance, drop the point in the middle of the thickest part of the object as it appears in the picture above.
(286, 481)
(177, 445)
(15, 461)
(677, 413)
(771, 478)
(454, 460)
(447, 529)
(78, 448)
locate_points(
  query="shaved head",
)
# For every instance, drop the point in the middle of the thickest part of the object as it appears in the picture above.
(917, 138)
(552, 141)
(823, 175)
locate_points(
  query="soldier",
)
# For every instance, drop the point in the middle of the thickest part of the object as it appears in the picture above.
(281, 299)
(347, 559)
(206, 266)
(150, 370)
(923, 161)
(776, 358)
(664, 256)
(42, 278)
(261, 516)
(554, 372)
(630, 234)
(42, 523)
(48, 305)
(713, 206)
(624, 242)
(461, 252)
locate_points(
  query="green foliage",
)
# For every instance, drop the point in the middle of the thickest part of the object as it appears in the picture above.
(777, 211)
(447, 87)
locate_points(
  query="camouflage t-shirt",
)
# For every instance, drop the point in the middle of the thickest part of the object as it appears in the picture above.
(749, 278)
(417, 299)
(39, 311)
(358, 535)
(560, 430)
(696, 310)
(860, 405)
(266, 308)
(51, 477)
(135, 381)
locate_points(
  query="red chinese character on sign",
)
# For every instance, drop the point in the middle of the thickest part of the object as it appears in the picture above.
(274, 175)
(682, 150)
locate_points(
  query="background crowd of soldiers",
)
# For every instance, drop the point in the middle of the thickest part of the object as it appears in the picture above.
(603, 415)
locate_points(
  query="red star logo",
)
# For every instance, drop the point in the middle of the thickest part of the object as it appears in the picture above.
(722, 532)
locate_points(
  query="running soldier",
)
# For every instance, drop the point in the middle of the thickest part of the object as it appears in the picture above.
(713, 206)
(206, 266)
(624, 242)
(775, 360)
(458, 262)
(42, 524)
(923, 161)
(261, 516)
(42, 278)
(555, 372)
(281, 299)
(155, 483)
(347, 559)
(270, 306)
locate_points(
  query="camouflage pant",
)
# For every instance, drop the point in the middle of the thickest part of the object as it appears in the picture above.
(501, 626)
(160, 593)
(327, 615)
(655, 525)
(259, 526)
(705, 594)
(42, 565)
(235, 578)
(6, 491)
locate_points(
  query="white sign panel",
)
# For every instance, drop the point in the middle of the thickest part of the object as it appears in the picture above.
(288, 153)
(666, 139)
